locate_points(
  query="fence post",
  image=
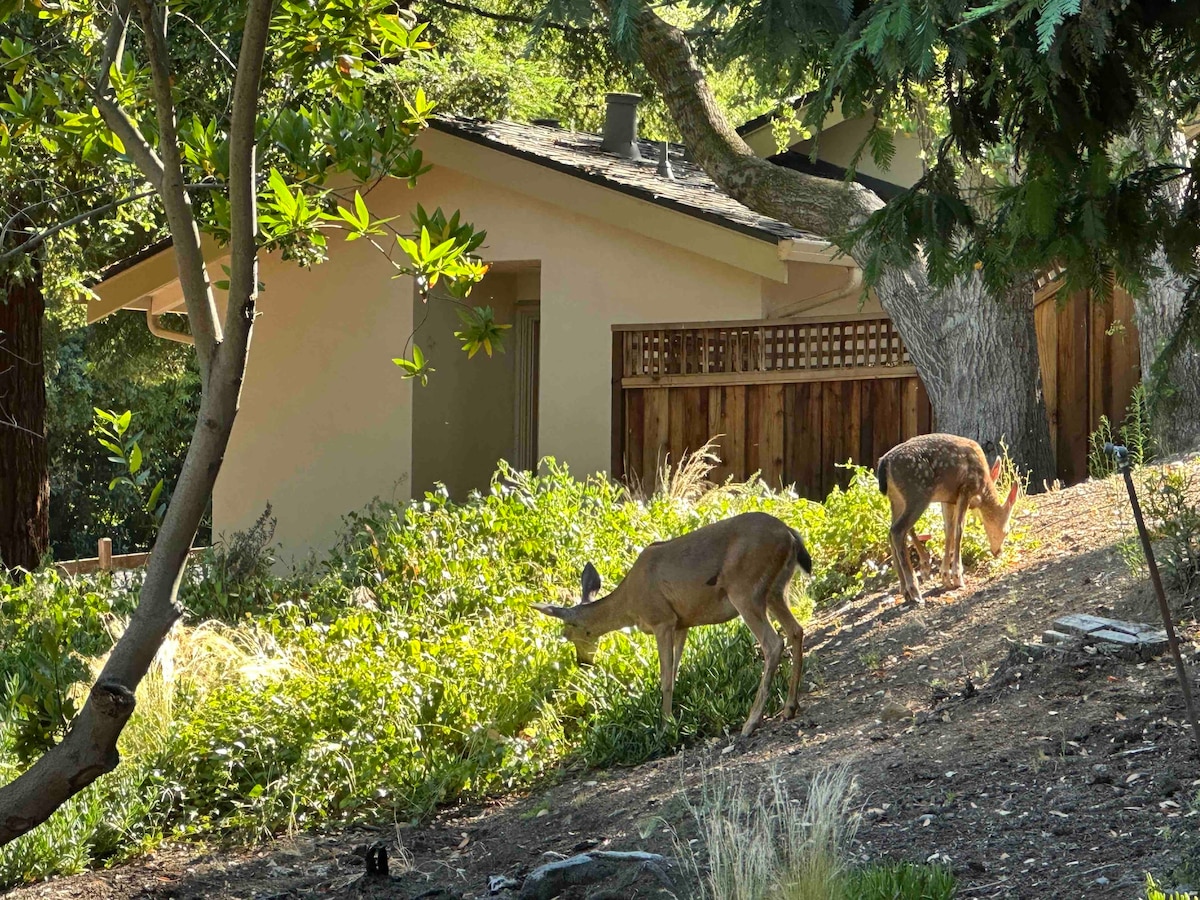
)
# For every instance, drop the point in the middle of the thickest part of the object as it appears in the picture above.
(104, 552)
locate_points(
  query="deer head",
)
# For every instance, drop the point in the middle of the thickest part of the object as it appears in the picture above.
(997, 520)
(579, 626)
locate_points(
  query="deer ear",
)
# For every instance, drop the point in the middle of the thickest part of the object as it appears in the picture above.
(1012, 495)
(590, 583)
(996, 469)
(548, 609)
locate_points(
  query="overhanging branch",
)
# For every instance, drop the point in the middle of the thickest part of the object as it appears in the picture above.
(41, 237)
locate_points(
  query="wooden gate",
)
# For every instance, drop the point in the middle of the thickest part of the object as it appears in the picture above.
(1090, 365)
(790, 398)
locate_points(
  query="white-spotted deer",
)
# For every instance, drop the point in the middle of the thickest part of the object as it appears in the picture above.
(954, 471)
(738, 566)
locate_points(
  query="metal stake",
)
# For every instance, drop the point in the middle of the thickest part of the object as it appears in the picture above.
(1124, 465)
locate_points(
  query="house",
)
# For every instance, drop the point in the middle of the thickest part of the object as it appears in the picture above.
(650, 311)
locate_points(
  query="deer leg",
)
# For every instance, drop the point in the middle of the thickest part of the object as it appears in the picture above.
(960, 521)
(902, 524)
(795, 635)
(947, 566)
(754, 615)
(680, 640)
(664, 637)
(922, 555)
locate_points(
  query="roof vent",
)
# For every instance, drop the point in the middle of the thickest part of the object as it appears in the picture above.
(620, 126)
(664, 163)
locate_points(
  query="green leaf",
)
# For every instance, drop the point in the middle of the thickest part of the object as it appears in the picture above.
(135, 459)
(154, 494)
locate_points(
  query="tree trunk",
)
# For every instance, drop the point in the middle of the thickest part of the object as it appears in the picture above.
(1175, 416)
(1174, 391)
(24, 473)
(976, 354)
(89, 748)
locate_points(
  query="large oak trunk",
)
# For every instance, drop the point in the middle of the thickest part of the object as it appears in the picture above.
(978, 358)
(24, 473)
(1176, 416)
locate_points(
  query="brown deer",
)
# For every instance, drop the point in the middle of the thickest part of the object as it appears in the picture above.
(954, 471)
(738, 566)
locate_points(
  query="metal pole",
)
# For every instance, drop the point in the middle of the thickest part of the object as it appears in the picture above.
(1121, 454)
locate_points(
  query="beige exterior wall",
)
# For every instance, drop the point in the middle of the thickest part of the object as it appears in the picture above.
(325, 419)
(327, 423)
(816, 290)
(839, 144)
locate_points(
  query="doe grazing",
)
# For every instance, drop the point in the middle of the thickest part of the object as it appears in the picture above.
(954, 471)
(738, 566)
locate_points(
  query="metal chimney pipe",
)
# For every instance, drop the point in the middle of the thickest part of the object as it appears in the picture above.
(620, 125)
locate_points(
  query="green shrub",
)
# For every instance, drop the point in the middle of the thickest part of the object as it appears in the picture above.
(404, 671)
(1154, 892)
(1134, 433)
(48, 628)
(1170, 501)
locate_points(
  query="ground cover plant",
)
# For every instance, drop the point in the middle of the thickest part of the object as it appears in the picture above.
(352, 688)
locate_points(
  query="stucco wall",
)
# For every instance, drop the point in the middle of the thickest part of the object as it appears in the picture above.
(839, 144)
(325, 420)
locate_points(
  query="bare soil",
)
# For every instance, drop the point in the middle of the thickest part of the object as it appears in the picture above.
(1029, 772)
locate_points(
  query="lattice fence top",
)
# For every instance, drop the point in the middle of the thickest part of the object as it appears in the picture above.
(744, 347)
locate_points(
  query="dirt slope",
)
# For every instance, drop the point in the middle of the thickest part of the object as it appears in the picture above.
(1031, 774)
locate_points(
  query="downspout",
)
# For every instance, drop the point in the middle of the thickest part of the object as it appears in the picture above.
(820, 253)
(154, 323)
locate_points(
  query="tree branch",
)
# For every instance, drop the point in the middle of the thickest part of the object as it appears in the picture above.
(41, 237)
(122, 126)
(114, 44)
(243, 205)
(185, 235)
(551, 26)
(820, 205)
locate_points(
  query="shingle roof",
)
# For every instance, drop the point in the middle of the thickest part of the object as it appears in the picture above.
(691, 192)
(797, 102)
(800, 161)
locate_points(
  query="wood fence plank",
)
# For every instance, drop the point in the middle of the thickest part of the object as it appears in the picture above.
(656, 436)
(772, 448)
(635, 430)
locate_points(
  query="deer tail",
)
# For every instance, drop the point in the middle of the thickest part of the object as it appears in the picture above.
(802, 555)
(881, 474)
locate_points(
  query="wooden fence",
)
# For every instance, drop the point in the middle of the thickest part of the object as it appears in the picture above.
(104, 561)
(790, 398)
(1090, 365)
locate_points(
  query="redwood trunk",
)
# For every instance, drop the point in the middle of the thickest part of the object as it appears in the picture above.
(24, 473)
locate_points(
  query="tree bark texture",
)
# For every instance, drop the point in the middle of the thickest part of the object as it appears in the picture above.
(1175, 418)
(1175, 414)
(976, 354)
(24, 463)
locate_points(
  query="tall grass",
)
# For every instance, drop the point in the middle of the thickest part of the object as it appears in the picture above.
(405, 671)
(756, 841)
